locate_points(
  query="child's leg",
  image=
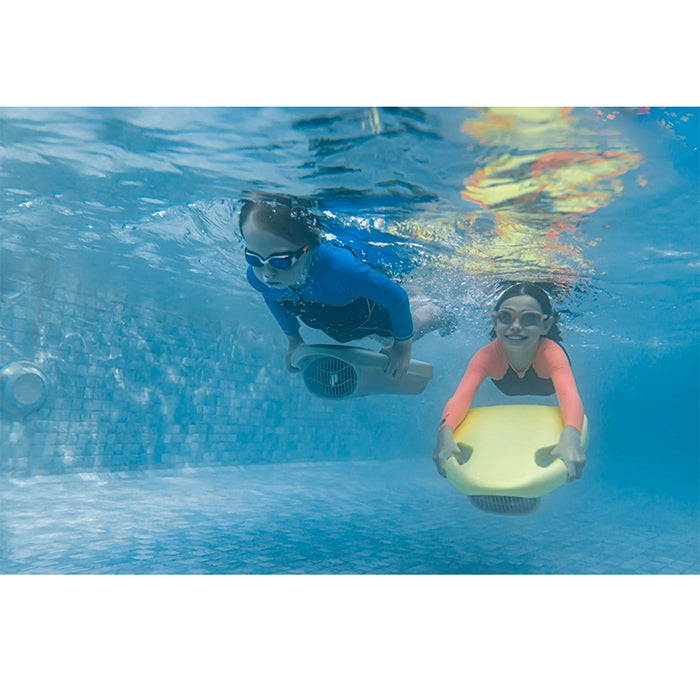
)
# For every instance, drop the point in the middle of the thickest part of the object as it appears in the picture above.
(427, 316)
(427, 313)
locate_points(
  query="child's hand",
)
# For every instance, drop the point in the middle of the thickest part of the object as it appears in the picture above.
(569, 450)
(446, 447)
(399, 354)
(294, 342)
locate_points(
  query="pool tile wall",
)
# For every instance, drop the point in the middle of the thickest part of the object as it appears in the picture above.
(138, 382)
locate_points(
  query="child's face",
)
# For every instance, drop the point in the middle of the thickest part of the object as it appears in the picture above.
(519, 333)
(265, 244)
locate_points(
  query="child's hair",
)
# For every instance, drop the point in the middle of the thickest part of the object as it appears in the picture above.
(285, 217)
(540, 296)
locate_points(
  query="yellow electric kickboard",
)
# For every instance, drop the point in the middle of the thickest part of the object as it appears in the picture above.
(509, 451)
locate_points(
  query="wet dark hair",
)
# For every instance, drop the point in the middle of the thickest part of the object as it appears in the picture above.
(285, 217)
(540, 296)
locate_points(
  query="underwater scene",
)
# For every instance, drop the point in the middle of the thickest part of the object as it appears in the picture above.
(148, 420)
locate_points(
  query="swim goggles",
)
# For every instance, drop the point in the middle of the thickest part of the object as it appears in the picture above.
(280, 261)
(526, 318)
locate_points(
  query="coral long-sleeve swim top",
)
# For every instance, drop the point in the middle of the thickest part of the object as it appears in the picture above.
(550, 363)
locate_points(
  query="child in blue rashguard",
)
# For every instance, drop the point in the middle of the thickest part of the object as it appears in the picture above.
(325, 286)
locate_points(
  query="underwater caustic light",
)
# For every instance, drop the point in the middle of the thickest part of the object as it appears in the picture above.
(23, 388)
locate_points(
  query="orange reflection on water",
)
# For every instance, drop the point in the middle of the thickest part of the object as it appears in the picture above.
(553, 175)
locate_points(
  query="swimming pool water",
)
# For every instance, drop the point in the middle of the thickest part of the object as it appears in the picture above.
(173, 441)
(389, 517)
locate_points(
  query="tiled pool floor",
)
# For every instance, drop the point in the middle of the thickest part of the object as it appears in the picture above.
(327, 518)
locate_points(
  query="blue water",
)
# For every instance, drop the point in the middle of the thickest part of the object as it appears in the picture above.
(173, 441)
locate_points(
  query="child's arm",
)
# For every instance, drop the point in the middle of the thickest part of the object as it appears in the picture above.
(566, 389)
(375, 286)
(457, 407)
(290, 325)
(399, 353)
(294, 342)
(477, 370)
(360, 280)
(446, 447)
(287, 321)
(569, 448)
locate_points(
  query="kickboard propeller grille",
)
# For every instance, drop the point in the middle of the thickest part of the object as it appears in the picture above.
(330, 378)
(506, 505)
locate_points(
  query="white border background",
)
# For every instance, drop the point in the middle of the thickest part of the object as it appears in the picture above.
(348, 636)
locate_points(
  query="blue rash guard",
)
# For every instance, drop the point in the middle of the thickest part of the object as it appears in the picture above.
(341, 296)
